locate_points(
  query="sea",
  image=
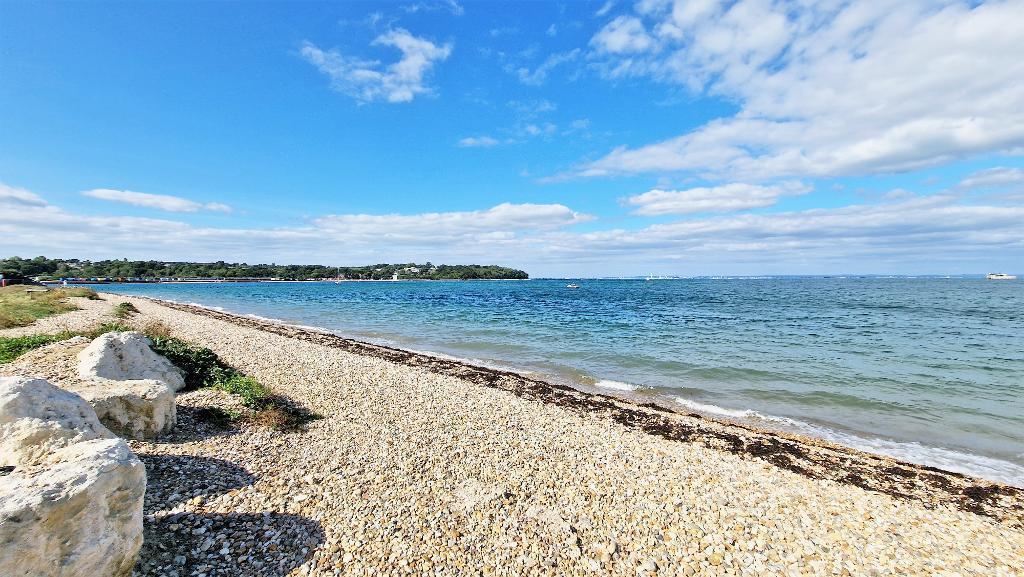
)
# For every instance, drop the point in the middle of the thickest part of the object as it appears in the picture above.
(928, 370)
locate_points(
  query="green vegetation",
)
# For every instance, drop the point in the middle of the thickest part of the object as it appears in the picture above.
(124, 310)
(21, 305)
(42, 267)
(13, 347)
(254, 395)
(202, 367)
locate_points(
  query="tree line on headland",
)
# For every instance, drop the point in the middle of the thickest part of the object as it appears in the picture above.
(47, 268)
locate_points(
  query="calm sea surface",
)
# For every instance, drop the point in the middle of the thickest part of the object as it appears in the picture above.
(925, 369)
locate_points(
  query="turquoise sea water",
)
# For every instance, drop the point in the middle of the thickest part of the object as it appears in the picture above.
(926, 369)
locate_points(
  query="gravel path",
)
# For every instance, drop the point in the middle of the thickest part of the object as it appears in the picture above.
(417, 472)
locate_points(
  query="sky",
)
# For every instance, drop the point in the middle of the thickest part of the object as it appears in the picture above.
(605, 138)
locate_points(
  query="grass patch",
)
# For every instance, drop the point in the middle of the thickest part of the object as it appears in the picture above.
(13, 347)
(98, 330)
(254, 395)
(21, 305)
(124, 310)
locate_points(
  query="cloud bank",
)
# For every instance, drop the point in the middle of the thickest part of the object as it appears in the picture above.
(907, 233)
(824, 89)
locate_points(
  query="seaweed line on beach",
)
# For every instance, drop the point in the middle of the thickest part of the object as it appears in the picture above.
(812, 458)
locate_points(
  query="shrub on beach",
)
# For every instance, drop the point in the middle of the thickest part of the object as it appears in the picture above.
(202, 367)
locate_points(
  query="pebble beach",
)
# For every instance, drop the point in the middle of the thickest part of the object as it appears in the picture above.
(426, 466)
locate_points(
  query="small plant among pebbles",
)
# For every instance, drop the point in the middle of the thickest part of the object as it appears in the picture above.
(124, 310)
(254, 395)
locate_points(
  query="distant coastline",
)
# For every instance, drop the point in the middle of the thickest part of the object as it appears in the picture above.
(76, 271)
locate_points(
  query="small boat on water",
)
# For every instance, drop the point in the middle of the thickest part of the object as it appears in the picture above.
(572, 286)
(1000, 276)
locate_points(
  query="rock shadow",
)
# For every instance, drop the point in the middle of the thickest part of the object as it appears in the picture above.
(197, 424)
(175, 479)
(259, 544)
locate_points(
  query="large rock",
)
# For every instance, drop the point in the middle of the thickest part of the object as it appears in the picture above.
(142, 409)
(70, 492)
(37, 419)
(126, 356)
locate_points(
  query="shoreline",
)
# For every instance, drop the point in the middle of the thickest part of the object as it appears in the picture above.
(987, 468)
(812, 457)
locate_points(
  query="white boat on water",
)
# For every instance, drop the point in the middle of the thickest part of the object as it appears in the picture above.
(572, 286)
(1000, 276)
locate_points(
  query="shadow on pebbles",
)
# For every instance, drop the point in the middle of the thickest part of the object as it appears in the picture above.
(179, 542)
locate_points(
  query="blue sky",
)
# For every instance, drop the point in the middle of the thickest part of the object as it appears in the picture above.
(602, 138)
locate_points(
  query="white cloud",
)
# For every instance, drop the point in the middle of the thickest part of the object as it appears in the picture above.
(13, 197)
(369, 80)
(157, 201)
(824, 89)
(451, 6)
(623, 35)
(605, 8)
(545, 129)
(501, 221)
(539, 75)
(552, 31)
(478, 142)
(993, 177)
(723, 198)
(917, 235)
(940, 233)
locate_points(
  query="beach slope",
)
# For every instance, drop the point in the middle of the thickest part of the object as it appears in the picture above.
(425, 465)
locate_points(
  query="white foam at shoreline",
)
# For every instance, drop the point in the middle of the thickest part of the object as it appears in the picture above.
(951, 460)
(616, 385)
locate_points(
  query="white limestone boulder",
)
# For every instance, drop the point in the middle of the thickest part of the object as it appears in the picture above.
(126, 356)
(142, 409)
(70, 492)
(37, 419)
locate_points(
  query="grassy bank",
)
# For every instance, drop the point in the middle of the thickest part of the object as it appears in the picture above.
(21, 305)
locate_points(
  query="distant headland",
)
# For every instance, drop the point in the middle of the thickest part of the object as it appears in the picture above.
(75, 270)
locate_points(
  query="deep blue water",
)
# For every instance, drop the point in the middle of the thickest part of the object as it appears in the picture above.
(927, 369)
